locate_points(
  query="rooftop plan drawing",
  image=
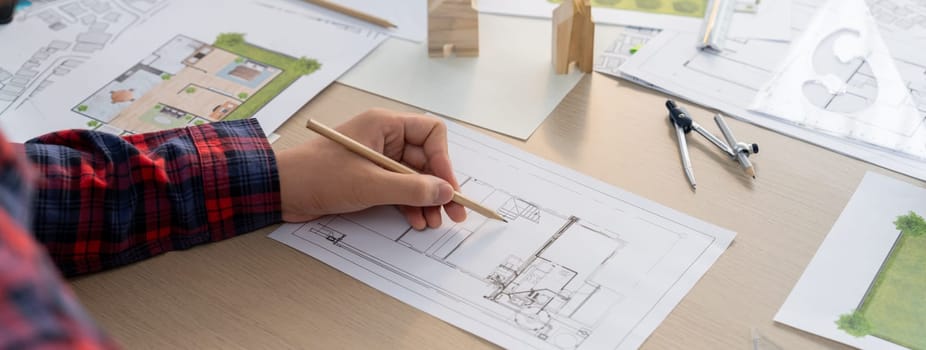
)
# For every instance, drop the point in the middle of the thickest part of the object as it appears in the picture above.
(189, 82)
(579, 265)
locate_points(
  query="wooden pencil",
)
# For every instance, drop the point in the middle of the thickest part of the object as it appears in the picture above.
(353, 13)
(393, 165)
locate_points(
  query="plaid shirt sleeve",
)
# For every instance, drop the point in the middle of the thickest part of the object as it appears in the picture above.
(37, 310)
(105, 201)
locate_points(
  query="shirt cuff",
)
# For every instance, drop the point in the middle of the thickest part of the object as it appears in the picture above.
(241, 184)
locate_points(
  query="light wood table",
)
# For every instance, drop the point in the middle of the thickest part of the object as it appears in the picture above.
(252, 292)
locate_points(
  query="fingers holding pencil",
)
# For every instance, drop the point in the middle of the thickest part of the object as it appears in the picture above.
(415, 134)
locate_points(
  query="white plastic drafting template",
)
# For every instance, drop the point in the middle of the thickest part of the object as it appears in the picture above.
(729, 81)
(840, 79)
(240, 62)
(579, 265)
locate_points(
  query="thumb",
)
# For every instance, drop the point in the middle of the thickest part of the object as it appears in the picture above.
(412, 190)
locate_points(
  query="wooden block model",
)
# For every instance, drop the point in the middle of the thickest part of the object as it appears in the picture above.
(453, 27)
(573, 36)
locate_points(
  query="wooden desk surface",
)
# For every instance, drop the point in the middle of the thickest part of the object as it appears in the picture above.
(252, 292)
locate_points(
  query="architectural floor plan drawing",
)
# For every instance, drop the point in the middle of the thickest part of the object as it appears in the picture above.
(579, 265)
(622, 47)
(62, 35)
(189, 82)
(241, 61)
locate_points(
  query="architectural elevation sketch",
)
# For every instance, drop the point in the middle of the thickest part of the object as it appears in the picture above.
(242, 61)
(579, 265)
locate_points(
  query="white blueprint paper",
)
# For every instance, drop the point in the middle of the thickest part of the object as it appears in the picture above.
(510, 88)
(409, 16)
(50, 39)
(544, 9)
(166, 75)
(729, 81)
(770, 22)
(580, 265)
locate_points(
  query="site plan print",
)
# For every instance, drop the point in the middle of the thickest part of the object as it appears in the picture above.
(189, 82)
(64, 34)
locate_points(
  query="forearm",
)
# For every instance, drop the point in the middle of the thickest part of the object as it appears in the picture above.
(106, 201)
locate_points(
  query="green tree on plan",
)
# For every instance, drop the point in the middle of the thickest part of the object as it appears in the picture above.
(287, 69)
(854, 323)
(911, 224)
(230, 39)
(306, 66)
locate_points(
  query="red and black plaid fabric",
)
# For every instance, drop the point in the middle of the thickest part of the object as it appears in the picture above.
(102, 201)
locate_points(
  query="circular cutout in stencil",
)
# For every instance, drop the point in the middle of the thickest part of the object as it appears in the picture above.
(836, 61)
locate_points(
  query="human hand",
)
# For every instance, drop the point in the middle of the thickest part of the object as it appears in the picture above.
(322, 177)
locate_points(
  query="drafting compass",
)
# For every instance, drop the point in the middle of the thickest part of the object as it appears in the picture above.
(737, 151)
